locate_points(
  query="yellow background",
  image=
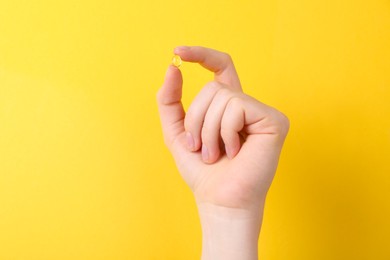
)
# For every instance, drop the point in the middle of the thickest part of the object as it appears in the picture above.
(84, 173)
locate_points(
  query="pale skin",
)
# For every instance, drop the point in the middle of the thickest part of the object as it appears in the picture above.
(226, 147)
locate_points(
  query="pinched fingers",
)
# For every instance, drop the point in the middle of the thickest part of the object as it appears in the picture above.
(218, 62)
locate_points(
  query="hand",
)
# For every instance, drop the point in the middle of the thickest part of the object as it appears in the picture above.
(227, 145)
(239, 175)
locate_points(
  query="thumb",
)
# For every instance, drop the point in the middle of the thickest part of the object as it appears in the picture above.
(169, 105)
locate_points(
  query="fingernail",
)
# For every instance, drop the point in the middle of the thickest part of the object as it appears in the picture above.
(205, 153)
(190, 141)
(181, 48)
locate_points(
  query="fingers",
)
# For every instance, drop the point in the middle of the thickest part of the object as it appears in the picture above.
(196, 113)
(233, 122)
(207, 119)
(211, 130)
(170, 107)
(218, 62)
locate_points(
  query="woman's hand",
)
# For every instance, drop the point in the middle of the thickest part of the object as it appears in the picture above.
(226, 147)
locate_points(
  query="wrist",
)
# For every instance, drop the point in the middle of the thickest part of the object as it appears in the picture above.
(229, 233)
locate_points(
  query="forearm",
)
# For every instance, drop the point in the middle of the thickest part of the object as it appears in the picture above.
(229, 234)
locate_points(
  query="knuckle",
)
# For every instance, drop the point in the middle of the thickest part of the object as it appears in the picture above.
(212, 87)
(283, 123)
(227, 58)
(163, 98)
(224, 93)
(235, 102)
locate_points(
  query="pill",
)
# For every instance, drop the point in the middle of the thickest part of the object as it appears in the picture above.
(176, 61)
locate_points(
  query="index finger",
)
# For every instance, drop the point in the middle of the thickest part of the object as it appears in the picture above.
(218, 62)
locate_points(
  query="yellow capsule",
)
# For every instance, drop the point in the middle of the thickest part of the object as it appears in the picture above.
(176, 61)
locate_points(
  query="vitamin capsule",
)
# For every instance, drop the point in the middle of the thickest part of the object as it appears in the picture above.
(176, 61)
